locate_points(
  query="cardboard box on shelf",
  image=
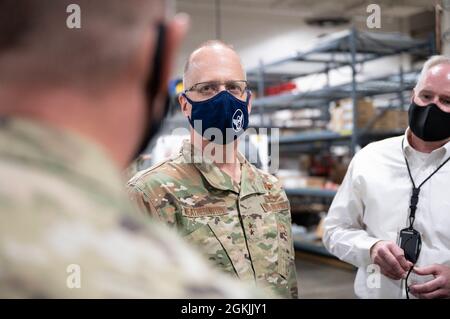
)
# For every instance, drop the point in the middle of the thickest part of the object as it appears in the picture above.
(290, 178)
(392, 119)
(299, 181)
(342, 115)
(313, 182)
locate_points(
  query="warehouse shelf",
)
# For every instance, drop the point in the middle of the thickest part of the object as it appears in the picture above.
(324, 136)
(347, 48)
(308, 137)
(351, 49)
(316, 192)
(333, 52)
(321, 97)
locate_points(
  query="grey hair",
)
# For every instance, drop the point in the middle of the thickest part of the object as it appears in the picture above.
(431, 62)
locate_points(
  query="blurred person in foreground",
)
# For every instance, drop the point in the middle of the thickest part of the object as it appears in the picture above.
(76, 105)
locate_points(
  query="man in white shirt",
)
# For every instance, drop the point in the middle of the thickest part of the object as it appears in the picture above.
(372, 205)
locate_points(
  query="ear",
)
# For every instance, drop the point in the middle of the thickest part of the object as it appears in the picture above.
(185, 106)
(413, 94)
(250, 101)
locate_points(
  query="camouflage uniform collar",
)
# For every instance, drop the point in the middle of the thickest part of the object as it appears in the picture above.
(251, 181)
(60, 151)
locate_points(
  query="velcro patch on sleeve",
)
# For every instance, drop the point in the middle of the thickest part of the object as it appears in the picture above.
(270, 207)
(269, 198)
(204, 211)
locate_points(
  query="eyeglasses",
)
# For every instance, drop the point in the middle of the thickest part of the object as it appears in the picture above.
(211, 88)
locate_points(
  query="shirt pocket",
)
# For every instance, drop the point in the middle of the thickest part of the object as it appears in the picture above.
(285, 243)
(278, 214)
(195, 229)
(193, 218)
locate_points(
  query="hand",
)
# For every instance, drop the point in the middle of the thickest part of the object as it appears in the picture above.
(391, 259)
(439, 287)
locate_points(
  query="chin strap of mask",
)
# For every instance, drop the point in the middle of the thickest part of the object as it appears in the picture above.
(151, 88)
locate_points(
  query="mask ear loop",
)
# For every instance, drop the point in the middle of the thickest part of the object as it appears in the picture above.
(186, 97)
(192, 104)
(151, 89)
(153, 83)
(249, 95)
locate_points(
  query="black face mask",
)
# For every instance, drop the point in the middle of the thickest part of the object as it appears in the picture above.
(429, 123)
(151, 89)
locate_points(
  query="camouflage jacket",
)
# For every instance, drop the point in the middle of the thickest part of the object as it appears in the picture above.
(244, 229)
(68, 230)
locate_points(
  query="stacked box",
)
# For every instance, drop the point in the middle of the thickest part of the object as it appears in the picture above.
(342, 115)
(391, 120)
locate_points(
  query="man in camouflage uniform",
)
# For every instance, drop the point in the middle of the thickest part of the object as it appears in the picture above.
(237, 215)
(72, 112)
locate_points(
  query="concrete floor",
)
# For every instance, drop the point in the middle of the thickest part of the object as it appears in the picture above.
(318, 280)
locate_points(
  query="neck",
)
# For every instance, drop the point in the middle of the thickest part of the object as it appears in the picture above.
(424, 146)
(224, 157)
(230, 163)
(67, 111)
(221, 155)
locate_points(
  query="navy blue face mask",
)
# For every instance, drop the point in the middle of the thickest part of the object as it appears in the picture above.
(220, 119)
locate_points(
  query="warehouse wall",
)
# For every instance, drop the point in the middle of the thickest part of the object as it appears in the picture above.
(445, 27)
(267, 36)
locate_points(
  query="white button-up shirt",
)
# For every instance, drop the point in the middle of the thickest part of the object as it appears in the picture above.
(372, 204)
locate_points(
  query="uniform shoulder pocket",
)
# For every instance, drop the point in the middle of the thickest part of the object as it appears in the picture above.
(285, 243)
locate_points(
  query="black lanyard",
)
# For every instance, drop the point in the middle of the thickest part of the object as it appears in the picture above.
(416, 190)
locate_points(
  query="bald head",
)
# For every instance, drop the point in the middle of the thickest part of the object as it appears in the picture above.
(36, 46)
(213, 61)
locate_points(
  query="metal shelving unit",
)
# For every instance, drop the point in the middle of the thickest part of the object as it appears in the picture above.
(318, 98)
(313, 136)
(335, 51)
(351, 49)
(315, 192)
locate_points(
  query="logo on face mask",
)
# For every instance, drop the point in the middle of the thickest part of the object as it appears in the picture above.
(224, 113)
(238, 120)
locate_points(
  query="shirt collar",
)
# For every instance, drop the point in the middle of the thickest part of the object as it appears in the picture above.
(439, 153)
(250, 183)
(251, 180)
